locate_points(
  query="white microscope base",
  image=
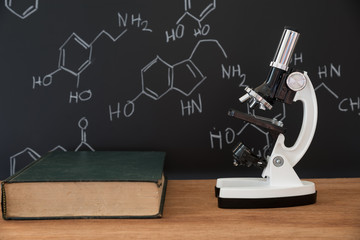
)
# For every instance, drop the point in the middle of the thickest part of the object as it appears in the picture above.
(258, 193)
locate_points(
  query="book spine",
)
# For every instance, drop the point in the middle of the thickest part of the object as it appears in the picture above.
(3, 200)
(162, 201)
(8, 180)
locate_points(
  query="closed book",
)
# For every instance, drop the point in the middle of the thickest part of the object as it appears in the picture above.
(105, 184)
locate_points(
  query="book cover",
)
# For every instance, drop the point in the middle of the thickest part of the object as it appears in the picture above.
(108, 184)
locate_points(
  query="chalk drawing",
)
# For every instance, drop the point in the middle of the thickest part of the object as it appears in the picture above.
(29, 155)
(197, 11)
(22, 8)
(159, 77)
(75, 55)
(83, 146)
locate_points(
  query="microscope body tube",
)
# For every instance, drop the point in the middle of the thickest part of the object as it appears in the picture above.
(279, 65)
(285, 49)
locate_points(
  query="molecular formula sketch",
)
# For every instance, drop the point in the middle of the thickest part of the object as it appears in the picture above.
(22, 8)
(195, 11)
(74, 57)
(159, 77)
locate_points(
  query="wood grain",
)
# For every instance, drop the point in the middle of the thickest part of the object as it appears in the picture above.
(191, 212)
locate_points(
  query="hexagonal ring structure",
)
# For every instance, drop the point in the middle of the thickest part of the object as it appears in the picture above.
(75, 55)
(22, 8)
(157, 78)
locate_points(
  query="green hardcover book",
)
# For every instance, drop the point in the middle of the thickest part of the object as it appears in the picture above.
(87, 185)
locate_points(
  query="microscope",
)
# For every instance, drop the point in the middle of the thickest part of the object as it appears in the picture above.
(279, 185)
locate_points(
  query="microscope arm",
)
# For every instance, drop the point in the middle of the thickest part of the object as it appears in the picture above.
(292, 155)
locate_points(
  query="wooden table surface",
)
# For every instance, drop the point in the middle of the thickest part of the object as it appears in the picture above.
(191, 212)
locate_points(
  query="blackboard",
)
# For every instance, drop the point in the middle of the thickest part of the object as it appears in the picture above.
(161, 75)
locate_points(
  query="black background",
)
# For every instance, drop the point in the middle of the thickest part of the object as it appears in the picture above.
(38, 118)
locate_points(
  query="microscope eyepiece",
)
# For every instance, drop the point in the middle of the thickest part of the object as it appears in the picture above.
(285, 49)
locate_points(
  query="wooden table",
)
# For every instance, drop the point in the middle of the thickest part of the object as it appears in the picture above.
(191, 212)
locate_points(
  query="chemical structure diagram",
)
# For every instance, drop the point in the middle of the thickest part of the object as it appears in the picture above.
(198, 10)
(22, 8)
(330, 71)
(323, 72)
(28, 155)
(75, 56)
(159, 78)
(195, 11)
